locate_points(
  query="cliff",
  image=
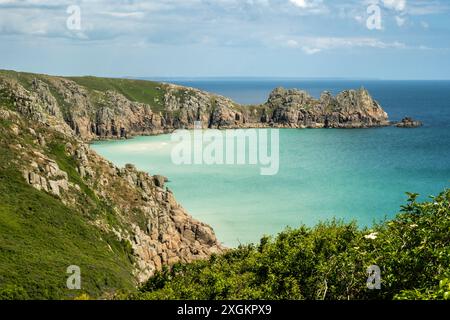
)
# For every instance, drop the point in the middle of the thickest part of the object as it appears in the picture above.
(61, 204)
(349, 109)
(116, 108)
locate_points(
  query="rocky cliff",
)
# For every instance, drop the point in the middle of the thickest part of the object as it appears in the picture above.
(349, 109)
(44, 129)
(114, 108)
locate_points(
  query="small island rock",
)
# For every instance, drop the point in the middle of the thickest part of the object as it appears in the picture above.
(409, 123)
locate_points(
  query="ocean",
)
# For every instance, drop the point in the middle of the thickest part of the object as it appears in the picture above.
(357, 175)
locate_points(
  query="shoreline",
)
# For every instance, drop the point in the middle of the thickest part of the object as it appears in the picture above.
(280, 127)
(191, 128)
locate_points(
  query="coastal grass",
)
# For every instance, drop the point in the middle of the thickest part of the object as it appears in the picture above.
(40, 237)
(143, 91)
(148, 92)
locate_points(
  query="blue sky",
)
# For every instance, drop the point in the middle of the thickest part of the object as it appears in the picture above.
(219, 38)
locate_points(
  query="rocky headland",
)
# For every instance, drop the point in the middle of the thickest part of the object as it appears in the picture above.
(112, 112)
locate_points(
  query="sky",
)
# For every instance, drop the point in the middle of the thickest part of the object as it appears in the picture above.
(376, 39)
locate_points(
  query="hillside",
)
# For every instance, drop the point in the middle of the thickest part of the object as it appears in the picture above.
(61, 204)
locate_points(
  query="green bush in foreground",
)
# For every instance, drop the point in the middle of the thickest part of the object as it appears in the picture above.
(328, 261)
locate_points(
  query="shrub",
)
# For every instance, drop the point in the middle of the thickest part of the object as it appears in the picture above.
(328, 261)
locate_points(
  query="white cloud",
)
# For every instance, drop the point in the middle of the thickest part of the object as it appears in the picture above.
(305, 3)
(226, 23)
(124, 14)
(309, 6)
(424, 24)
(313, 45)
(400, 21)
(398, 5)
(292, 43)
(311, 51)
(422, 8)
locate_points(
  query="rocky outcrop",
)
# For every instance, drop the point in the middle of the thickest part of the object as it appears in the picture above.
(409, 123)
(164, 233)
(284, 108)
(350, 109)
(105, 114)
(185, 106)
(134, 206)
(93, 114)
(146, 214)
(160, 180)
(43, 173)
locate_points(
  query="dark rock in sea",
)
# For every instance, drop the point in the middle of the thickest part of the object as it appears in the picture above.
(409, 123)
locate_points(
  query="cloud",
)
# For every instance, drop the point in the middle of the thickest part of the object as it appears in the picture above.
(292, 43)
(311, 51)
(124, 14)
(424, 24)
(207, 23)
(397, 5)
(165, 21)
(431, 7)
(400, 21)
(314, 45)
(306, 3)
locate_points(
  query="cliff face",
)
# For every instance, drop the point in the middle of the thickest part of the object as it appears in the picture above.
(113, 110)
(349, 109)
(284, 108)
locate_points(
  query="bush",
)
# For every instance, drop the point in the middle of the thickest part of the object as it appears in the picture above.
(13, 292)
(328, 261)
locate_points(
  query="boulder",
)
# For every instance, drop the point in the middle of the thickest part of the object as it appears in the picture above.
(408, 122)
(160, 180)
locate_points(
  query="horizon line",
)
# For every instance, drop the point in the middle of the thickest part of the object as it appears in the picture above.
(277, 78)
(228, 77)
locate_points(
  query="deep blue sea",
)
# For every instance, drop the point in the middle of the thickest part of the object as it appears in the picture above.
(351, 174)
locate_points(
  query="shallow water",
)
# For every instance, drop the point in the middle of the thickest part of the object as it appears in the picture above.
(357, 174)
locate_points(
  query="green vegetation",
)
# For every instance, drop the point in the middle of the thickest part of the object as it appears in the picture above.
(25, 79)
(441, 292)
(40, 236)
(183, 94)
(151, 93)
(328, 261)
(5, 101)
(148, 92)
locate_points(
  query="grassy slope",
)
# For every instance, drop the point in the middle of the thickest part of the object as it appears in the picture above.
(143, 91)
(40, 236)
(148, 92)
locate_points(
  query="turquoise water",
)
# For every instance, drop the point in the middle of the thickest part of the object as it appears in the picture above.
(359, 174)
